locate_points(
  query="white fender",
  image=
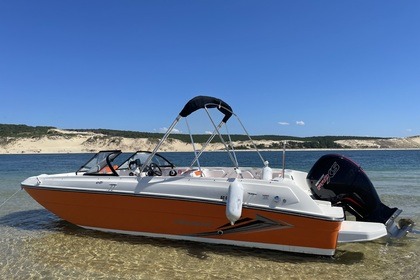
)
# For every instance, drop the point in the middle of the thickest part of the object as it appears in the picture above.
(267, 172)
(234, 201)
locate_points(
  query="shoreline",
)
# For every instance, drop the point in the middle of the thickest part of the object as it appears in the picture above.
(220, 151)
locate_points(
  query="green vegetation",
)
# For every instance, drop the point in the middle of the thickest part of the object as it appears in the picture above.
(21, 130)
(17, 131)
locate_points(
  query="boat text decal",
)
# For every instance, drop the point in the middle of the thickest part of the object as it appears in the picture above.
(326, 178)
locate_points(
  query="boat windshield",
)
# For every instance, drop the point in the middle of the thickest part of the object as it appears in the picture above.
(141, 156)
(100, 163)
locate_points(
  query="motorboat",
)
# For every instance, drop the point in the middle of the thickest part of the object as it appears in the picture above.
(143, 193)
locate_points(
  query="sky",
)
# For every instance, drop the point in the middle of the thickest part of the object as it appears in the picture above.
(298, 68)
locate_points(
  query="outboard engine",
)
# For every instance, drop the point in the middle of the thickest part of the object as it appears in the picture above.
(338, 179)
(341, 181)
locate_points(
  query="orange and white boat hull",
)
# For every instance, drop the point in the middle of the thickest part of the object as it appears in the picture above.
(183, 219)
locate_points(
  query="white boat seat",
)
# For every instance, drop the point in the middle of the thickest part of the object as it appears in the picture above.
(192, 173)
(247, 174)
(215, 173)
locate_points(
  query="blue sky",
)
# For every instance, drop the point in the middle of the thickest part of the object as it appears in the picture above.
(300, 68)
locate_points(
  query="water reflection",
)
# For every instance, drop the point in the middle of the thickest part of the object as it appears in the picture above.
(41, 222)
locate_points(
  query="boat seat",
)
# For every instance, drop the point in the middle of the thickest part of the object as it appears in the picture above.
(192, 173)
(247, 174)
(216, 173)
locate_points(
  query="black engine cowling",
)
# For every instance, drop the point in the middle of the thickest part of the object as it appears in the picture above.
(341, 181)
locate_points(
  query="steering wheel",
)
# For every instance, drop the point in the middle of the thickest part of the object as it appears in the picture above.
(154, 169)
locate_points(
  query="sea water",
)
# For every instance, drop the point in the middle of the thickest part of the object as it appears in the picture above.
(35, 244)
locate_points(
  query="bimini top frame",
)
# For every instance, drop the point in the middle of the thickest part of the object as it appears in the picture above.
(205, 102)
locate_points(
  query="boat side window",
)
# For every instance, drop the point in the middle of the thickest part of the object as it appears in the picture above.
(101, 164)
(140, 157)
(131, 166)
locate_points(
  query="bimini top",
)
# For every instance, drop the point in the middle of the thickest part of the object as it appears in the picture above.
(200, 102)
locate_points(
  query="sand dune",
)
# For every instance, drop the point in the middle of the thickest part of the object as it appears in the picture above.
(87, 142)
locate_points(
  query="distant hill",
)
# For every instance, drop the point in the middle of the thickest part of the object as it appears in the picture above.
(294, 142)
(47, 139)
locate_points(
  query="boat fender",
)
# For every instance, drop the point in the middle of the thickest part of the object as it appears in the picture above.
(234, 201)
(267, 172)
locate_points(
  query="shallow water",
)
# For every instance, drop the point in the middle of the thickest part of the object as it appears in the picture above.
(35, 244)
